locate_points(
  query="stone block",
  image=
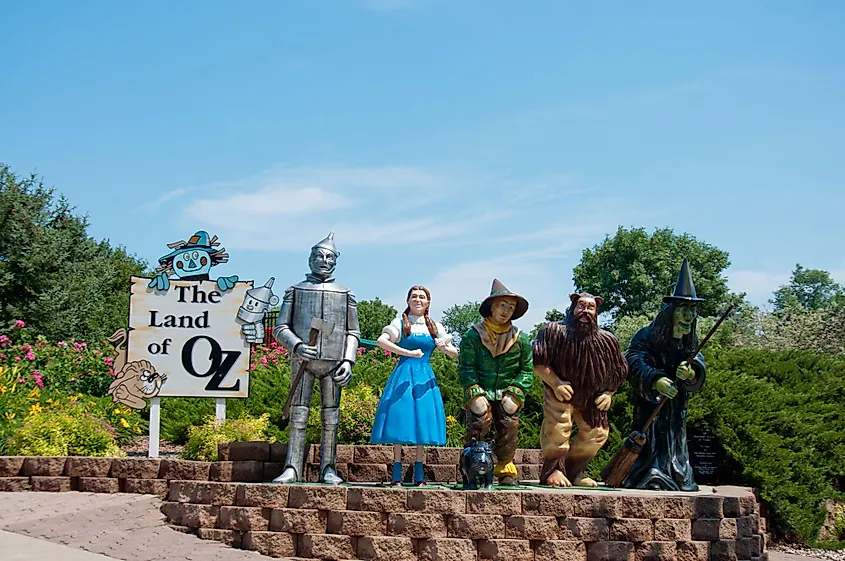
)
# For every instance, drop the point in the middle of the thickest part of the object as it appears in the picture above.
(98, 485)
(531, 502)
(713, 529)
(326, 546)
(181, 529)
(88, 467)
(692, 551)
(528, 472)
(172, 512)
(45, 466)
(298, 520)
(386, 548)
(672, 530)
(14, 484)
(561, 549)
(731, 507)
(221, 471)
(11, 466)
(227, 537)
(258, 451)
(367, 473)
(271, 544)
(204, 492)
(443, 456)
(437, 502)
(199, 516)
(635, 530)
(655, 551)
(373, 455)
(476, 526)
(610, 551)
(676, 507)
(446, 549)
(158, 487)
(356, 523)
(723, 550)
(345, 454)
(416, 525)
(268, 496)
(223, 452)
(592, 506)
(440, 473)
(639, 507)
(526, 527)
(136, 468)
(557, 504)
(503, 503)
(185, 470)
(505, 550)
(379, 500)
(748, 506)
(247, 471)
(323, 498)
(278, 452)
(748, 526)
(243, 518)
(50, 484)
(272, 470)
(584, 529)
(528, 456)
(707, 507)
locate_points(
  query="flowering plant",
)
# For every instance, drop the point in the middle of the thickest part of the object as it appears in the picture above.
(203, 439)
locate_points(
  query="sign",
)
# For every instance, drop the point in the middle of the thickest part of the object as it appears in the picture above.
(706, 455)
(190, 334)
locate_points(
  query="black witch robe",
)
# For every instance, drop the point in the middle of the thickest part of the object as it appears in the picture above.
(663, 463)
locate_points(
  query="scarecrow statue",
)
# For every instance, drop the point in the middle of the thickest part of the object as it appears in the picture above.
(318, 324)
(495, 369)
(662, 367)
(581, 367)
(192, 260)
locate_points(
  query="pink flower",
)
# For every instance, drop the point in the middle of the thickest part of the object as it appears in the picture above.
(21, 380)
(17, 358)
(388, 353)
(2, 355)
(19, 324)
(111, 372)
(62, 344)
(29, 356)
(37, 377)
(108, 360)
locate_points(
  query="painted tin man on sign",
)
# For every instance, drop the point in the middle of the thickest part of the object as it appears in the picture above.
(318, 324)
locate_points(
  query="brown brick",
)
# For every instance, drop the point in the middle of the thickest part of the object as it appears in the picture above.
(172, 512)
(524, 527)
(584, 529)
(416, 525)
(529, 456)
(712, 529)
(269, 496)
(707, 507)
(272, 470)
(675, 507)
(610, 551)
(243, 518)
(345, 454)
(476, 526)
(639, 506)
(45, 466)
(98, 485)
(204, 492)
(631, 530)
(494, 502)
(443, 456)
(692, 551)
(199, 516)
(672, 530)
(528, 472)
(256, 451)
(185, 470)
(367, 473)
(88, 467)
(136, 468)
(593, 506)
(272, 544)
(384, 548)
(655, 551)
(557, 504)
(748, 526)
(221, 471)
(13, 484)
(157, 487)
(50, 484)
(723, 550)
(531, 502)
(278, 452)
(446, 549)
(298, 520)
(505, 550)
(324, 498)
(731, 507)
(356, 523)
(223, 452)
(440, 473)
(181, 529)
(379, 500)
(228, 537)
(11, 466)
(326, 546)
(748, 506)
(561, 549)
(437, 502)
(373, 455)
(247, 471)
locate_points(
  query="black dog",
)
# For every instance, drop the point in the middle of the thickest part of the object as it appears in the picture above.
(477, 465)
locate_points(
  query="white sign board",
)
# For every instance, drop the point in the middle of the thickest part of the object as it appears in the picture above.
(190, 334)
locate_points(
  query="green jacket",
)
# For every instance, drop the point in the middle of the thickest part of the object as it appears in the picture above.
(479, 372)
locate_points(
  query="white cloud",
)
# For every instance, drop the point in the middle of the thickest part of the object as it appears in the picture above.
(758, 285)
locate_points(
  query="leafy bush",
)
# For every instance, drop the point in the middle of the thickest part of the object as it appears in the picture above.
(203, 439)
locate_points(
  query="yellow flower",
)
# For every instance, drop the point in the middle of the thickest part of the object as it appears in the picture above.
(34, 392)
(35, 409)
(2, 389)
(91, 403)
(9, 416)
(123, 423)
(137, 430)
(117, 411)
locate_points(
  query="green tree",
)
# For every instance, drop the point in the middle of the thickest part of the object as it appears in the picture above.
(53, 276)
(373, 315)
(460, 317)
(634, 270)
(552, 315)
(812, 289)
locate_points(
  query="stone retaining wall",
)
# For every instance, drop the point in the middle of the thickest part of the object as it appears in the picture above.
(399, 524)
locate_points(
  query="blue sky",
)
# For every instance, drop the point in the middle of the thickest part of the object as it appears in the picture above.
(445, 142)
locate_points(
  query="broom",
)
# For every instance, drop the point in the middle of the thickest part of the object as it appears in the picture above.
(620, 465)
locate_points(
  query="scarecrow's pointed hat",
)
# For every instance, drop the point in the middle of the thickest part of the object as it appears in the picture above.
(497, 290)
(684, 288)
(327, 243)
(200, 240)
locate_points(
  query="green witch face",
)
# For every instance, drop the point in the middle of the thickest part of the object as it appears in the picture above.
(682, 319)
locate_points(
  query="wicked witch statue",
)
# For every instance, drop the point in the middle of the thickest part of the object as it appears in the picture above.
(659, 370)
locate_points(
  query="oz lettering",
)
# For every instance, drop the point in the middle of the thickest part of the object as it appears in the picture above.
(221, 363)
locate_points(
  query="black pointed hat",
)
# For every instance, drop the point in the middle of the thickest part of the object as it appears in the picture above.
(498, 289)
(684, 288)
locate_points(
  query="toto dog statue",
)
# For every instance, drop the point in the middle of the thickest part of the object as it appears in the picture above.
(477, 465)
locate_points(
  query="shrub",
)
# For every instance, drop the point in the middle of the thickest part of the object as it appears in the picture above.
(203, 439)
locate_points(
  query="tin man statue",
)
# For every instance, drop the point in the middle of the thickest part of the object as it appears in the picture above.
(318, 324)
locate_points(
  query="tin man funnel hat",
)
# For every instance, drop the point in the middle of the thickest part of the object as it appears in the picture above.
(327, 243)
